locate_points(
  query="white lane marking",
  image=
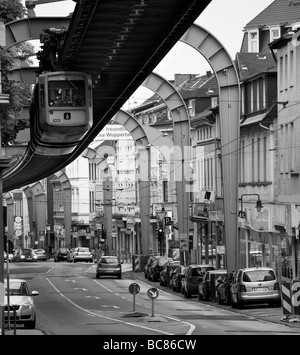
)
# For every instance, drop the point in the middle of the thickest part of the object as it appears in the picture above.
(79, 288)
(70, 280)
(191, 326)
(102, 316)
(96, 297)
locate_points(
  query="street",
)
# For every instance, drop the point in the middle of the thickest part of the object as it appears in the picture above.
(73, 302)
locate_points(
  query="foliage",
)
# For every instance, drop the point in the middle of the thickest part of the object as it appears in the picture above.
(19, 93)
(11, 10)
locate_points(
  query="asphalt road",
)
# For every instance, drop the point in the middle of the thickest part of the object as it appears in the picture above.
(73, 302)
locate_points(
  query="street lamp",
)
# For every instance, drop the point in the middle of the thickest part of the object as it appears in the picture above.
(258, 205)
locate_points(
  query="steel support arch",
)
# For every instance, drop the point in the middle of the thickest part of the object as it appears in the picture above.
(181, 150)
(229, 107)
(142, 135)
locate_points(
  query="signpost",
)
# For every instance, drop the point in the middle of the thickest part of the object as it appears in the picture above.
(134, 289)
(152, 293)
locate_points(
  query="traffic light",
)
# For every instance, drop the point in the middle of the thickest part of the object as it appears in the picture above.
(160, 234)
(10, 245)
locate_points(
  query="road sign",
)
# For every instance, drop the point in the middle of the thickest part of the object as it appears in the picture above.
(168, 221)
(161, 215)
(134, 288)
(152, 292)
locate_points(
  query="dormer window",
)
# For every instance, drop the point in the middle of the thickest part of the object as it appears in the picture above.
(253, 41)
(274, 33)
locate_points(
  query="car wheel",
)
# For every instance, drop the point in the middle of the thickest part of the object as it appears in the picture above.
(97, 276)
(220, 301)
(119, 276)
(227, 299)
(239, 303)
(233, 304)
(30, 325)
(206, 297)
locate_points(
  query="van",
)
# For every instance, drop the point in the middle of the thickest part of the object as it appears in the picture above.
(255, 285)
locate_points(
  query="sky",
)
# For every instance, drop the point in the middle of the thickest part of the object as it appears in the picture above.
(225, 19)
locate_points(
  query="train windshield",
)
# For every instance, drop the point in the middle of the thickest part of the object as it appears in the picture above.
(66, 93)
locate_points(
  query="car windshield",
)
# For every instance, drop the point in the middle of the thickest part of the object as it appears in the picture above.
(85, 250)
(27, 251)
(63, 250)
(259, 275)
(197, 272)
(109, 260)
(17, 289)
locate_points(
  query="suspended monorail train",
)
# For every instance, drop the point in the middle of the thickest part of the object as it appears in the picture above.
(60, 112)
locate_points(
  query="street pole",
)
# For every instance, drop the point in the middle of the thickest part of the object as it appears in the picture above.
(4, 163)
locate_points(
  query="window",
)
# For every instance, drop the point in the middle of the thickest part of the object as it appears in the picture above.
(253, 42)
(274, 33)
(191, 107)
(291, 68)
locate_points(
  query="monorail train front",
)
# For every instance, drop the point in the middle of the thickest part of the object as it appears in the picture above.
(61, 111)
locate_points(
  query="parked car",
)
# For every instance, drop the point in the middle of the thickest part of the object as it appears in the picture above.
(17, 255)
(21, 300)
(61, 254)
(70, 255)
(209, 284)
(148, 264)
(177, 277)
(109, 266)
(41, 254)
(29, 255)
(223, 290)
(193, 275)
(167, 271)
(156, 267)
(24, 254)
(82, 254)
(255, 285)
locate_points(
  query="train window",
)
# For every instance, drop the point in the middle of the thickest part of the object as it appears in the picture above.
(42, 95)
(70, 93)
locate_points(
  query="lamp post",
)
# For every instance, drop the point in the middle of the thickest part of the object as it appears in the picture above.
(258, 205)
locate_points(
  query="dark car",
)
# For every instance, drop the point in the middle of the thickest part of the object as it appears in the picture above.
(166, 273)
(61, 254)
(223, 290)
(193, 275)
(24, 254)
(208, 286)
(148, 264)
(177, 276)
(109, 266)
(156, 267)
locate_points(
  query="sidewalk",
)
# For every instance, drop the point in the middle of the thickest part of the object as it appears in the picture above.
(269, 314)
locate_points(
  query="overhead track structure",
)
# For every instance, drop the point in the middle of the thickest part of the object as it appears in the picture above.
(119, 43)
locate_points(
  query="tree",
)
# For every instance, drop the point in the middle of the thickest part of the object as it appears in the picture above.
(11, 10)
(19, 93)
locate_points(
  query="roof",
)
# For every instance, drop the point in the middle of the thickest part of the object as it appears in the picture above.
(253, 64)
(279, 12)
(198, 86)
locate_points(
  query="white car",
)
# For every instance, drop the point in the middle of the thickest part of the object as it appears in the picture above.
(41, 254)
(82, 254)
(21, 303)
